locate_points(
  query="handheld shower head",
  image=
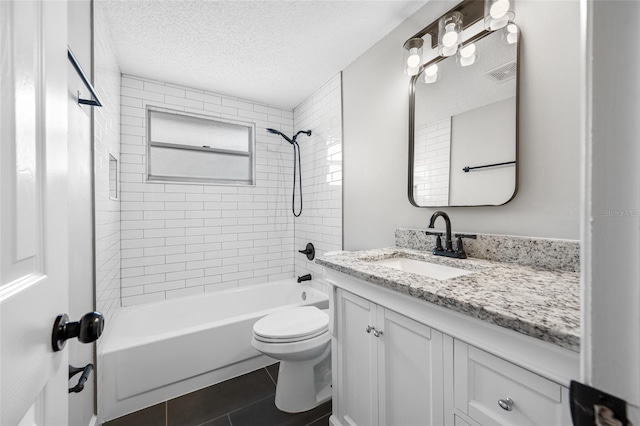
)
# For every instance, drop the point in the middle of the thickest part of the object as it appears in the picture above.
(278, 132)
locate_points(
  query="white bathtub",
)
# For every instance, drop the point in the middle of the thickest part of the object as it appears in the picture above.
(159, 351)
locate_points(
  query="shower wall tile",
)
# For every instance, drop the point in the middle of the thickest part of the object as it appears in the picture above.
(183, 239)
(321, 155)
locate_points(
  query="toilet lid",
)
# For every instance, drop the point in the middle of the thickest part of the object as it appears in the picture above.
(293, 323)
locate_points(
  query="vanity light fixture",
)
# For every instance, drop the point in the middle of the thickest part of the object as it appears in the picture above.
(510, 34)
(497, 14)
(449, 28)
(431, 74)
(412, 56)
(467, 55)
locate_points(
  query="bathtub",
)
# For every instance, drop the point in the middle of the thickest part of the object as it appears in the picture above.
(159, 351)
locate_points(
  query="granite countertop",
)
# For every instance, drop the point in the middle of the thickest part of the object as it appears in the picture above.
(541, 303)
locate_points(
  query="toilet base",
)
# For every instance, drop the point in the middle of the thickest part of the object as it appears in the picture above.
(303, 386)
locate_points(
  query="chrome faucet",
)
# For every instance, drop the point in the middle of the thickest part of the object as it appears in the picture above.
(448, 249)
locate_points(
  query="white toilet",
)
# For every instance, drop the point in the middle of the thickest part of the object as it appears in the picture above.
(300, 339)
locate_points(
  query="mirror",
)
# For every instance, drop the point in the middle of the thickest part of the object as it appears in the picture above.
(463, 128)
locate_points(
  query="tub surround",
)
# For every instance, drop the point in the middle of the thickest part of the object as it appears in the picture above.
(563, 255)
(539, 302)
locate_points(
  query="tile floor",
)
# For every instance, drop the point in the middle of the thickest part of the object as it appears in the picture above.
(247, 400)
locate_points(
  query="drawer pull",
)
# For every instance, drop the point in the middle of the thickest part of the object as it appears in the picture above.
(377, 333)
(368, 329)
(506, 404)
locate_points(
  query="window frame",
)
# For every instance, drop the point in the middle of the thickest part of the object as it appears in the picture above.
(198, 180)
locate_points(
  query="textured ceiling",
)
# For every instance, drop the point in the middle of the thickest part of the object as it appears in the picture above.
(273, 52)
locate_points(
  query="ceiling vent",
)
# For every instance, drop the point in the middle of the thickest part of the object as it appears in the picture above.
(504, 72)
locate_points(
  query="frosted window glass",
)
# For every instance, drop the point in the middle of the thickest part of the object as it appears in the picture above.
(185, 163)
(200, 132)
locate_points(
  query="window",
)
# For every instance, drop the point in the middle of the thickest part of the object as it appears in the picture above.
(187, 147)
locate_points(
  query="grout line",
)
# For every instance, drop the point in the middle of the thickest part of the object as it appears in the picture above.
(166, 413)
(319, 418)
(229, 418)
(270, 376)
(250, 404)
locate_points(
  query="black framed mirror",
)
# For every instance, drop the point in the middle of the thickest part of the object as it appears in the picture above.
(463, 132)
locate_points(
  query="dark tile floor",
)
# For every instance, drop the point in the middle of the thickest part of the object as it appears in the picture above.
(248, 400)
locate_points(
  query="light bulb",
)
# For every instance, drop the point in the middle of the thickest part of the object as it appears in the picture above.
(431, 74)
(414, 58)
(449, 51)
(499, 9)
(510, 34)
(432, 70)
(450, 37)
(468, 51)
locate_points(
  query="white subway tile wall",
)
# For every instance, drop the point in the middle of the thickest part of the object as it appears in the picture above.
(432, 148)
(183, 239)
(321, 155)
(106, 143)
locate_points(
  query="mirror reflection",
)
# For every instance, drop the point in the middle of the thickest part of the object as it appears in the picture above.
(463, 129)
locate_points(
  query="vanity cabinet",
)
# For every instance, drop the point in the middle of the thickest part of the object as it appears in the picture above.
(388, 368)
(492, 391)
(432, 366)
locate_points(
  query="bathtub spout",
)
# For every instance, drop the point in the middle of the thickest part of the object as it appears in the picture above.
(304, 278)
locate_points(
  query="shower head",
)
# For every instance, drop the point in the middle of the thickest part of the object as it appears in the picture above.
(277, 132)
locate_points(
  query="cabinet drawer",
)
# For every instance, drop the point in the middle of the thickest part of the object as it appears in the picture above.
(492, 391)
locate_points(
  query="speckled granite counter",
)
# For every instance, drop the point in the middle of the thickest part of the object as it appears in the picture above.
(541, 303)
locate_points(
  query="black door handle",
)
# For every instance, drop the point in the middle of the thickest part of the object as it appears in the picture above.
(83, 378)
(87, 330)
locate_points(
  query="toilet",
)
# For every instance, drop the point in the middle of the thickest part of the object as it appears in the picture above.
(299, 338)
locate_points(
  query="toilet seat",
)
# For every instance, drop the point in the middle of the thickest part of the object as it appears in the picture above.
(292, 325)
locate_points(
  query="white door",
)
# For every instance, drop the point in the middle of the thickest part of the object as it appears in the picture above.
(33, 211)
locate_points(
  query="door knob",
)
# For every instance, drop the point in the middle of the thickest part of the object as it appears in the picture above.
(87, 330)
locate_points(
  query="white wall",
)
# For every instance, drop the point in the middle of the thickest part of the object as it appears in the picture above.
(610, 338)
(479, 139)
(183, 239)
(321, 155)
(375, 120)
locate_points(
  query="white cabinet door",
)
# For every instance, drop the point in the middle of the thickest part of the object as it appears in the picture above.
(410, 370)
(33, 211)
(389, 368)
(357, 363)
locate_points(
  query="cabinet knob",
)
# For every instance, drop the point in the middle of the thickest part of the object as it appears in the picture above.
(506, 404)
(377, 333)
(368, 329)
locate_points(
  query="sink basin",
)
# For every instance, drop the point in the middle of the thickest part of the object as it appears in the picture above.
(430, 270)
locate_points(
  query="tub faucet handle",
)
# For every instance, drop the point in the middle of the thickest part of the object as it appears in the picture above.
(309, 251)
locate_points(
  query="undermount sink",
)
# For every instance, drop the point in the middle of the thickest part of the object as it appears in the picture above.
(427, 269)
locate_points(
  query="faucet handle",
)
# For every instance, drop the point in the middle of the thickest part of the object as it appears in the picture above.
(438, 239)
(472, 236)
(459, 245)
